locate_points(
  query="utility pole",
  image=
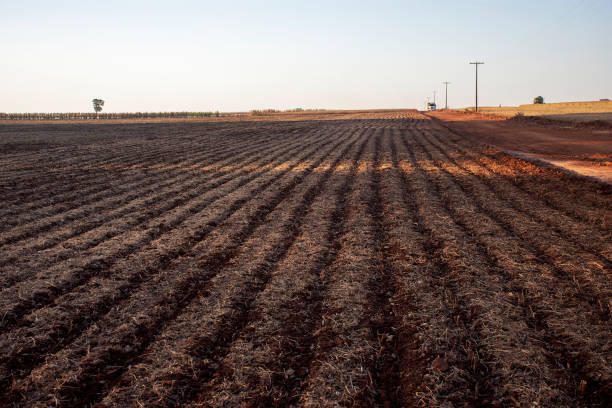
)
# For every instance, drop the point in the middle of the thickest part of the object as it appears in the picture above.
(446, 94)
(434, 97)
(477, 64)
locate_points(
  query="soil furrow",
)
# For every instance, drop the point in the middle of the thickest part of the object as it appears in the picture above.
(578, 233)
(176, 148)
(109, 194)
(207, 341)
(64, 277)
(51, 172)
(345, 347)
(521, 385)
(383, 320)
(587, 361)
(364, 259)
(93, 176)
(163, 247)
(541, 242)
(55, 209)
(422, 325)
(590, 201)
(155, 206)
(270, 359)
(167, 158)
(461, 373)
(100, 350)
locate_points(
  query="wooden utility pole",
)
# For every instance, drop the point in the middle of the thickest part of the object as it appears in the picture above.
(477, 64)
(446, 94)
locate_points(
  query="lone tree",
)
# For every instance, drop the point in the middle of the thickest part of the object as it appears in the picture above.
(538, 100)
(97, 105)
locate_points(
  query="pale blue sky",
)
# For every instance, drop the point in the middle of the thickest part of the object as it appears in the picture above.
(241, 55)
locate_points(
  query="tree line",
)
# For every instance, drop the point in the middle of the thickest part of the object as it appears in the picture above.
(90, 115)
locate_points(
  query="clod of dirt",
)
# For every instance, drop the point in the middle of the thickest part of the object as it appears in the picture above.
(439, 364)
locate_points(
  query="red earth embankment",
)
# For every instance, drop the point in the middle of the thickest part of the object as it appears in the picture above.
(576, 148)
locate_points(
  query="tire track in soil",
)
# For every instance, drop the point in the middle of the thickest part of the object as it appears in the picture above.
(63, 329)
(105, 366)
(75, 277)
(209, 350)
(571, 363)
(216, 179)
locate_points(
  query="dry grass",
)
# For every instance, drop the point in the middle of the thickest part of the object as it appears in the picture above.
(562, 108)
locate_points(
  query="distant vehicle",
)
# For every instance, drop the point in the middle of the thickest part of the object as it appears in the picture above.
(431, 106)
(538, 100)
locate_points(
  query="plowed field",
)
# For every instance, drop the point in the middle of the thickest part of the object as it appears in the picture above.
(382, 261)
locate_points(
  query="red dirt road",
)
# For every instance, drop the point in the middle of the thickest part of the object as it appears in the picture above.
(573, 147)
(382, 261)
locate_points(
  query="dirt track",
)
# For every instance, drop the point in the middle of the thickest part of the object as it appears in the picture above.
(579, 148)
(382, 261)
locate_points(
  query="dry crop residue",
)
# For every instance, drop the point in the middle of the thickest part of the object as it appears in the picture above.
(376, 261)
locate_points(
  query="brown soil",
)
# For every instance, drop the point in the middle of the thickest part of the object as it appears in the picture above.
(378, 261)
(582, 148)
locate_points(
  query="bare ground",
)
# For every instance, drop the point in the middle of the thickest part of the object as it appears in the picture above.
(576, 147)
(376, 261)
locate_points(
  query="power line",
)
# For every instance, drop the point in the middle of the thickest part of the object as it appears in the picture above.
(446, 94)
(476, 64)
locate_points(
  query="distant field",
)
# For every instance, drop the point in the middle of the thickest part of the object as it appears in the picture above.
(573, 111)
(266, 115)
